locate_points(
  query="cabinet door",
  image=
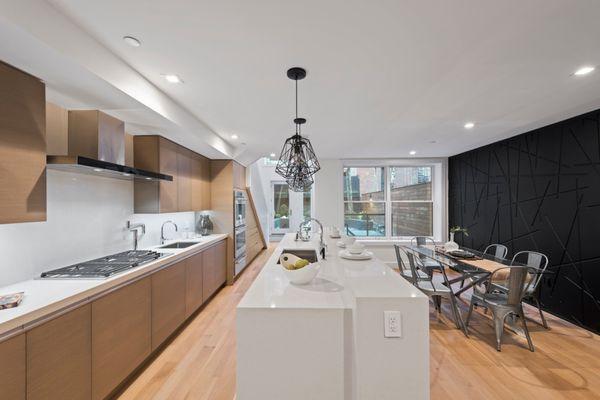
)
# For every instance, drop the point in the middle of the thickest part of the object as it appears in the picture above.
(168, 190)
(22, 147)
(193, 281)
(209, 278)
(59, 357)
(220, 263)
(200, 183)
(121, 337)
(168, 301)
(239, 176)
(184, 179)
(12, 368)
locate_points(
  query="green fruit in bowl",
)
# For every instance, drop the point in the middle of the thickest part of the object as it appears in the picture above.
(301, 263)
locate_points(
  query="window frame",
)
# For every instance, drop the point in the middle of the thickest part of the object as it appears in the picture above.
(385, 202)
(388, 202)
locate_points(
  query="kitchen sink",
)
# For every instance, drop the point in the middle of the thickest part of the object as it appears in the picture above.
(178, 245)
(309, 255)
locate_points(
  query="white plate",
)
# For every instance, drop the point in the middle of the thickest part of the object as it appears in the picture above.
(365, 255)
(341, 244)
(335, 236)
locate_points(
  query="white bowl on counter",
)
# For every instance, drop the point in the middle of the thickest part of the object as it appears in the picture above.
(303, 275)
(356, 248)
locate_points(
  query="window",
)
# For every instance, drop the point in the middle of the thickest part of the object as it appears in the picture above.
(394, 201)
(364, 201)
(269, 162)
(411, 201)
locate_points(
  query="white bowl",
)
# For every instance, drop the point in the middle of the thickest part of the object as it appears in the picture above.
(348, 240)
(356, 248)
(303, 275)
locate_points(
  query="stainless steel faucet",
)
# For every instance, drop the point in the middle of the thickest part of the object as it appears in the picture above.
(134, 228)
(162, 230)
(300, 234)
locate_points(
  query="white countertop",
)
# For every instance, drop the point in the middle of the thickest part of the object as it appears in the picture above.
(338, 284)
(46, 296)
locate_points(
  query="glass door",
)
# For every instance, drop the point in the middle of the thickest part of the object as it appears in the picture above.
(288, 208)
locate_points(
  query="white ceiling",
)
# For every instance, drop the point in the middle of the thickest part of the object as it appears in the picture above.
(384, 77)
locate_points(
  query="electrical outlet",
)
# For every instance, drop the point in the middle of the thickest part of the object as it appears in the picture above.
(392, 324)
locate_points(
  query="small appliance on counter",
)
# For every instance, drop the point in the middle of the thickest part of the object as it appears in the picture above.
(204, 225)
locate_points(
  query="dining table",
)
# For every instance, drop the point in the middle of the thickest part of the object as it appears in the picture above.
(474, 268)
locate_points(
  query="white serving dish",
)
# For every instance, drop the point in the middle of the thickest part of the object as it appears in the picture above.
(303, 275)
(355, 248)
(365, 255)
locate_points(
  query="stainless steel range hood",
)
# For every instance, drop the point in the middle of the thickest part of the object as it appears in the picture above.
(96, 145)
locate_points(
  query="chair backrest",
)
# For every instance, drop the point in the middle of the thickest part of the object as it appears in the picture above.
(496, 250)
(532, 259)
(517, 283)
(416, 265)
(422, 241)
(401, 264)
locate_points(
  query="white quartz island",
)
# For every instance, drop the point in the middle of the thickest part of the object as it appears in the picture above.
(325, 340)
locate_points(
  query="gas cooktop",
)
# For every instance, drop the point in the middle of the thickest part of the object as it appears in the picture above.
(104, 267)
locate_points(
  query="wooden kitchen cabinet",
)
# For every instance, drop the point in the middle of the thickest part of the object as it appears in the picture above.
(184, 179)
(201, 187)
(168, 301)
(59, 357)
(12, 369)
(121, 335)
(22, 146)
(193, 280)
(239, 176)
(214, 269)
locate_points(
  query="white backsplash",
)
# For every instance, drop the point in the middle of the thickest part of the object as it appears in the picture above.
(86, 218)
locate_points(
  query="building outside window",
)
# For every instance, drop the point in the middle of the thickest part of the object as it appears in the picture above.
(390, 201)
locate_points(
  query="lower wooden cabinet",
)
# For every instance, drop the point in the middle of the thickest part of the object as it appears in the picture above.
(12, 369)
(121, 335)
(193, 281)
(168, 301)
(215, 269)
(59, 357)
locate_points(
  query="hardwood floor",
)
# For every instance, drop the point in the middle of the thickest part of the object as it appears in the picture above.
(200, 362)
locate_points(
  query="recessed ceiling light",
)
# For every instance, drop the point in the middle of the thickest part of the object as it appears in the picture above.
(469, 125)
(273, 155)
(148, 178)
(172, 78)
(234, 136)
(126, 174)
(133, 42)
(584, 70)
(98, 169)
(412, 152)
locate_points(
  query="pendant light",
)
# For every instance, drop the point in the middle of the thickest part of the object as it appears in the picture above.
(298, 162)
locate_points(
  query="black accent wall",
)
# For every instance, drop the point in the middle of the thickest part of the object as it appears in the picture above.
(539, 191)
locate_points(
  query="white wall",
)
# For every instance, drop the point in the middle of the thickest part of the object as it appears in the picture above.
(86, 219)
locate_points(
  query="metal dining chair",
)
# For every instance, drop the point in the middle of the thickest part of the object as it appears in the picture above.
(405, 270)
(540, 262)
(504, 303)
(435, 286)
(425, 241)
(496, 250)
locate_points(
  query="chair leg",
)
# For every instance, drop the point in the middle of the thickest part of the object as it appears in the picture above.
(458, 317)
(499, 328)
(537, 303)
(438, 303)
(469, 314)
(529, 342)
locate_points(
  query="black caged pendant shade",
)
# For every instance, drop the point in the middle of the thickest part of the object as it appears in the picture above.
(298, 162)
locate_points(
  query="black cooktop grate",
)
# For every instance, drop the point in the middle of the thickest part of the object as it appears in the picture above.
(104, 267)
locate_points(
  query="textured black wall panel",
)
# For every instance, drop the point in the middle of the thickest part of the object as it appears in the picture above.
(539, 191)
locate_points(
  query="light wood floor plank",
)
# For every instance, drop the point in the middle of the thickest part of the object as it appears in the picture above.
(199, 363)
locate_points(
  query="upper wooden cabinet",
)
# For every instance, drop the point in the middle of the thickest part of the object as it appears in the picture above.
(201, 185)
(239, 176)
(12, 369)
(190, 188)
(22, 146)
